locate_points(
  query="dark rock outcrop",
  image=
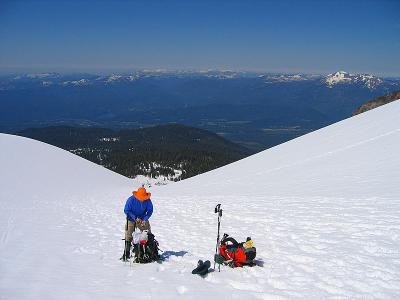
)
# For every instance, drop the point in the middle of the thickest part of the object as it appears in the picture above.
(377, 102)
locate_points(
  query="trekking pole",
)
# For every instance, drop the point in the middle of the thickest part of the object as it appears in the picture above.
(218, 211)
(134, 229)
(124, 239)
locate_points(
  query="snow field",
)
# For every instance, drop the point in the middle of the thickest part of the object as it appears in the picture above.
(323, 211)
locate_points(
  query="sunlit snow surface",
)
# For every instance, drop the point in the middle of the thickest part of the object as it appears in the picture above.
(323, 211)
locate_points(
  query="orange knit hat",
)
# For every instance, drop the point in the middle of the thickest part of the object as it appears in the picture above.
(141, 194)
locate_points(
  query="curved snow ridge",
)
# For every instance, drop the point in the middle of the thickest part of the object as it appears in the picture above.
(39, 167)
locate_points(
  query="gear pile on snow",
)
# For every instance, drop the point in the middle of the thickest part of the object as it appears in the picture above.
(229, 252)
(145, 247)
(235, 254)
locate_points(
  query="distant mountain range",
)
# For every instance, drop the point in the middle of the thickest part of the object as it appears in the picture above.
(49, 79)
(253, 109)
(339, 78)
(173, 152)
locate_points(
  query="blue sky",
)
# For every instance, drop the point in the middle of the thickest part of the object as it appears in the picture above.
(276, 36)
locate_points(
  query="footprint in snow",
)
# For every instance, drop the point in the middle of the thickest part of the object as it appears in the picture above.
(160, 269)
(156, 280)
(181, 289)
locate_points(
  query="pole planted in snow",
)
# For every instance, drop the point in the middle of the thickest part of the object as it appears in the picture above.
(218, 211)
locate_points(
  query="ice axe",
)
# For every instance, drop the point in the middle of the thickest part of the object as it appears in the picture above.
(218, 211)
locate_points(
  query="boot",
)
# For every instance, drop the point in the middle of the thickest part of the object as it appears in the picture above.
(127, 252)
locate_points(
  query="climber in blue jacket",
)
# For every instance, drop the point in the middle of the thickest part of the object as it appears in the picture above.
(138, 210)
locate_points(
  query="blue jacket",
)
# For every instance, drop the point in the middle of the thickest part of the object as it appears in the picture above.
(138, 209)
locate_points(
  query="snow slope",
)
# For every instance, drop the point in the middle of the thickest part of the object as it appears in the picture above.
(323, 211)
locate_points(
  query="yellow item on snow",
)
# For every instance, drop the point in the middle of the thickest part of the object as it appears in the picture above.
(248, 244)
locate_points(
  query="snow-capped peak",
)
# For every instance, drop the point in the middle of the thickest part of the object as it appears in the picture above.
(337, 77)
(40, 75)
(286, 77)
(76, 82)
(113, 78)
(132, 77)
(36, 76)
(341, 77)
(116, 77)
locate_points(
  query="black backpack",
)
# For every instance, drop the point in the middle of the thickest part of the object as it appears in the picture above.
(146, 251)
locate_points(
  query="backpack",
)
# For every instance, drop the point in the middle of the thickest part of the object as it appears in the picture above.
(236, 254)
(145, 248)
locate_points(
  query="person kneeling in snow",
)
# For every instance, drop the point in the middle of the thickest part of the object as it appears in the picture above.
(138, 210)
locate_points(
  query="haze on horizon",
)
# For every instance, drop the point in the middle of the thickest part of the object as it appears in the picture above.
(272, 36)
